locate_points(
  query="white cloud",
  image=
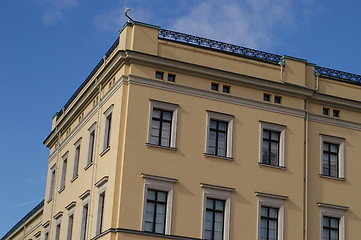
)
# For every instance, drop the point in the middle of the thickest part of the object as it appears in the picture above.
(55, 10)
(250, 23)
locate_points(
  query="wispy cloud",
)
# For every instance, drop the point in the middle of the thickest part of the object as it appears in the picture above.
(249, 22)
(55, 10)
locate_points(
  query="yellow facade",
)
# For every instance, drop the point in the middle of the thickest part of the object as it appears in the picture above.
(105, 137)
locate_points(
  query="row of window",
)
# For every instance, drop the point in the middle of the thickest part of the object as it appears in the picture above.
(216, 212)
(77, 147)
(84, 224)
(162, 132)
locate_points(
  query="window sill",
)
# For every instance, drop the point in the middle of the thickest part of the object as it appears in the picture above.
(88, 166)
(61, 189)
(74, 178)
(162, 147)
(219, 157)
(330, 177)
(105, 151)
(271, 166)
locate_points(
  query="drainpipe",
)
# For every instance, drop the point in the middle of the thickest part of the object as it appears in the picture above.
(282, 64)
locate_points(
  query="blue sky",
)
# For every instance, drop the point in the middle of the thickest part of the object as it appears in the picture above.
(48, 47)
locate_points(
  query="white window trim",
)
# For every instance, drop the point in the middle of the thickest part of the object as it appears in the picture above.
(221, 117)
(91, 156)
(71, 210)
(162, 184)
(334, 211)
(76, 162)
(168, 107)
(341, 154)
(221, 193)
(85, 201)
(52, 183)
(47, 230)
(102, 187)
(106, 132)
(58, 218)
(275, 201)
(277, 128)
(63, 171)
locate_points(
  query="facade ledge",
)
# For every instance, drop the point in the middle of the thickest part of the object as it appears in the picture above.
(147, 234)
(228, 189)
(162, 147)
(61, 189)
(271, 166)
(269, 195)
(101, 181)
(88, 166)
(84, 194)
(207, 155)
(326, 205)
(46, 224)
(165, 179)
(49, 200)
(58, 215)
(330, 177)
(104, 151)
(74, 178)
(70, 205)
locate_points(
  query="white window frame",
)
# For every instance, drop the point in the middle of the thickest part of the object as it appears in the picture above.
(85, 197)
(76, 164)
(63, 171)
(221, 193)
(57, 218)
(341, 154)
(102, 187)
(161, 184)
(52, 182)
(281, 148)
(274, 201)
(107, 125)
(167, 107)
(71, 210)
(47, 230)
(334, 211)
(225, 118)
(91, 145)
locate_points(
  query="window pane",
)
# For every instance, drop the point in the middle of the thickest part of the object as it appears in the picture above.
(213, 124)
(334, 235)
(167, 115)
(209, 219)
(149, 213)
(273, 212)
(334, 222)
(151, 194)
(209, 203)
(265, 134)
(264, 212)
(334, 148)
(159, 228)
(162, 196)
(208, 235)
(275, 136)
(223, 126)
(148, 227)
(156, 113)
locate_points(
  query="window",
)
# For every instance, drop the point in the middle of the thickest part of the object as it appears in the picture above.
(326, 111)
(226, 89)
(216, 212)
(57, 231)
(76, 158)
(163, 124)
(270, 216)
(332, 156)
(71, 209)
(101, 185)
(158, 198)
(269, 223)
(219, 134)
(84, 217)
(159, 74)
(52, 182)
(214, 86)
(171, 77)
(332, 221)
(107, 128)
(272, 144)
(336, 113)
(46, 237)
(214, 221)
(266, 97)
(91, 147)
(278, 99)
(63, 172)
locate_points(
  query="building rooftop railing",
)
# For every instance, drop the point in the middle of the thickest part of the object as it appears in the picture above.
(250, 53)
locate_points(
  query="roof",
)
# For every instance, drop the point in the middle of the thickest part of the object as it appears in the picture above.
(24, 219)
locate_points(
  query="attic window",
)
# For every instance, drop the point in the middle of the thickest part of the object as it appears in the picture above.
(226, 89)
(336, 113)
(214, 86)
(159, 74)
(171, 77)
(326, 111)
(266, 97)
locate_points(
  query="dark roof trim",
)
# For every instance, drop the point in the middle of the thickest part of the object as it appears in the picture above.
(27, 216)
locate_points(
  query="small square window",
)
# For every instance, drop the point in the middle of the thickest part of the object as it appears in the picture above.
(326, 111)
(226, 89)
(214, 86)
(159, 74)
(278, 99)
(171, 77)
(336, 113)
(267, 97)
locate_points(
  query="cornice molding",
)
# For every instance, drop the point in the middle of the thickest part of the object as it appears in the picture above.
(269, 195)
(210, 186)
(335, 121)
(336, 102)
(326, 205)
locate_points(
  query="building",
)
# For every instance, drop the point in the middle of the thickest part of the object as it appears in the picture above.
(174, 136)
